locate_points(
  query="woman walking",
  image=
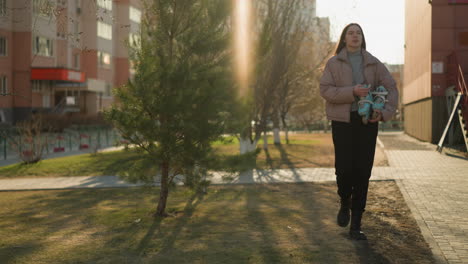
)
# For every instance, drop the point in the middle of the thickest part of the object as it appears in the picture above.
(348, 76)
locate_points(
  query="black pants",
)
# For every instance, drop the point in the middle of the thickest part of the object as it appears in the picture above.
(354, 157)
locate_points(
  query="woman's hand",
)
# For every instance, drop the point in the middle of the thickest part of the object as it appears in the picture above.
(360, 90)
(376, 116)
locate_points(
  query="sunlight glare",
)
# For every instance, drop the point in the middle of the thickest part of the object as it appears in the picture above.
(242, 40)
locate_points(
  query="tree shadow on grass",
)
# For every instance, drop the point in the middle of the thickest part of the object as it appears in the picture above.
(285, 157)
(238, 234)
(168, 249)
(285, 160)
(122, 162)
(169, 240)
(145, 242)
(9, 254)
(269, 160)
(62, 215)
(329, 242)
(268, 223)
(258, 224)
(318, 165)
(269, 251)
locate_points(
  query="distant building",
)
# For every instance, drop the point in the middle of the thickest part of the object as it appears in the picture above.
(63, 55)
(396, 70)
(436, 45)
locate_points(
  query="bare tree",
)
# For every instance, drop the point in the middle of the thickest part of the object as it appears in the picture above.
(281, 27)
(299, 95)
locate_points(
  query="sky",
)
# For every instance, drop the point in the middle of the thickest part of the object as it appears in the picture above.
(383, 23)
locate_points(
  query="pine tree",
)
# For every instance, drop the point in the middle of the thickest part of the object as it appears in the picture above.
(178, 100)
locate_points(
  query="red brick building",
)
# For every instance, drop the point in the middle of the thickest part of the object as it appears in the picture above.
(63, 55)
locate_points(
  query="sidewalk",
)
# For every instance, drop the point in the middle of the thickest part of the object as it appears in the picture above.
(435, 187)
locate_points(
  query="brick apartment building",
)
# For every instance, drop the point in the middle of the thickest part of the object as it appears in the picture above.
(436, 47)
(61, 56)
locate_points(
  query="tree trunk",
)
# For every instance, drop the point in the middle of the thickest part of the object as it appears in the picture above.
(325, 126)
(246, 145)
(285, 126)
(265, 140)
(276, 130)
(276, 135)
(161, 210)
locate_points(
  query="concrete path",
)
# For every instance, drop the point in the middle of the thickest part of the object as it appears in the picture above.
(435, 187)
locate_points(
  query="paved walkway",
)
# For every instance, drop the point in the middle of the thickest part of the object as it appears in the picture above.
(435, 187)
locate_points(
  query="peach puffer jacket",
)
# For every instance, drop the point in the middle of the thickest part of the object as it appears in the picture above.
(336, 85)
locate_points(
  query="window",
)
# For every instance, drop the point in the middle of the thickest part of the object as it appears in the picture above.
(106, 4)
(104, 59)
(42, 46)
(41, 86)
(43, 8)
(104, 30)
(3, 85)
(3, 46)
(135, 14)
(3, 8)
(37, 86)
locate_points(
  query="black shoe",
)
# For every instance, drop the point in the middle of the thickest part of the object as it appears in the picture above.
(342, 218)
(357, 235)
(355, 229)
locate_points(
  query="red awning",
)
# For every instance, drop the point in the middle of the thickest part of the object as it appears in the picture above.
(57, 74)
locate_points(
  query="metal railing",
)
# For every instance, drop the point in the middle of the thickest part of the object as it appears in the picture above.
(78, 139)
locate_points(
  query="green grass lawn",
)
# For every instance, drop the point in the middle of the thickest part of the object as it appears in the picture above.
(304, 151)
(107, 163)
(275, 223)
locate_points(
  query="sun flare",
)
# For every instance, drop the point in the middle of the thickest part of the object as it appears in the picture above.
(242, 40)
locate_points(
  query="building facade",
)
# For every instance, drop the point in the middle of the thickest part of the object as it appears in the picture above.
(436, 43)
(60, 56)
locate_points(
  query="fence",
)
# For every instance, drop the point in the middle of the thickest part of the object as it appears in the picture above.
(92, 138)
(77, 139)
